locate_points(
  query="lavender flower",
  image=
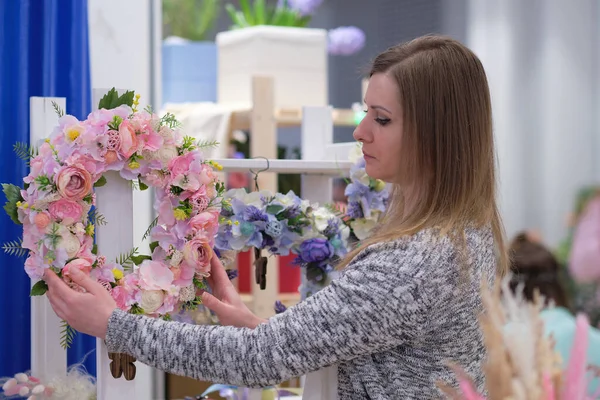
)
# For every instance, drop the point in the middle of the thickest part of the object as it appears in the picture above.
(346, 40)
(354, 210)
(251, 213)
(279, 307)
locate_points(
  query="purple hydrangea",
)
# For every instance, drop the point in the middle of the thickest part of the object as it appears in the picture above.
(251, 214)
(354, 210)
(346, 40)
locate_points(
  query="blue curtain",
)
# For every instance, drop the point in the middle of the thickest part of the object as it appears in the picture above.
(43, 52)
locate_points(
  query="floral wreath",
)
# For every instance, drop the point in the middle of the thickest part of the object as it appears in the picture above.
(57, 207)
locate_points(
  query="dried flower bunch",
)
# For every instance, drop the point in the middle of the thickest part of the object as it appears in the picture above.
(522, 363)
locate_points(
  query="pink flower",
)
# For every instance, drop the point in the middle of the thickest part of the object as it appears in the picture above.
(200, 200)
(74, 182)
(121, 296)
(181, 165)
(154, 275)
(35, 267)
(41, 220)
(197, 254)
(205, 222)
(207, 175)
(110, 157)
(81, 264)
(68, 211)
(128, 139)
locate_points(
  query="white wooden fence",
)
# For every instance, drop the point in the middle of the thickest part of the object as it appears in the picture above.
(321, 161)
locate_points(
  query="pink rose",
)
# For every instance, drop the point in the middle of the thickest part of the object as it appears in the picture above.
(200, 200)
(110, 157)
(207, 176)
(41, 220)
(197, 254)
(79, 263)
(128, 139)
(68, 211)
(206, 221)
(74, 182)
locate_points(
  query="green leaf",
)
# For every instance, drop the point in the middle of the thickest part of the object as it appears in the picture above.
(67, 334)
(15, 248)
(153, 245)
(113, 100)
(143, 186)
(274, 209)
(12, 192)
(247, 12)
(100, 182)
(260, 14)
(39, 289)
(137, 260)
(95, 249)
(59, 111)
(24, 151)
(147, 234)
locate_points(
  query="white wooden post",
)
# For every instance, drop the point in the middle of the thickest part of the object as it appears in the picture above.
(48, 358)
(317, 136)
(115, 201)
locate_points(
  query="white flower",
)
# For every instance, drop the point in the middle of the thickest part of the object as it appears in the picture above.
(24, 391)
(363, 227)
(68, 241)
(151, 300)
(166, 154)
(39, 389)
(42, 202)
(356, 153)
(166, 133)
(176, 258)
(21, 377)
(9, 384)
(361, 176)
(187, 293)
(322, 216)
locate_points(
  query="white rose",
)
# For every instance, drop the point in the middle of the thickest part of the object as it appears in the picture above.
(68, 241)
(187, 293)
(166, 154)
(166, 133)
(151, 300)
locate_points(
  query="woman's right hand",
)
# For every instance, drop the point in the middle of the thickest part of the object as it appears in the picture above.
(225, 300)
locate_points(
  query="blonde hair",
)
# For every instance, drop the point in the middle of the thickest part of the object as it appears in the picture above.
(448, 141)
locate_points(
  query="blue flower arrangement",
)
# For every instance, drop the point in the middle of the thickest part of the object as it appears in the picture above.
(367, 201)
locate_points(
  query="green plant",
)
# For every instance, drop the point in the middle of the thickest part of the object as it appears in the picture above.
(190, 19)
(259, 13)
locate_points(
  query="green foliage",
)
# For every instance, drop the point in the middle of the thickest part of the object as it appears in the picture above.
(39, 289)
(100, 182)
(15, 248)
(59, 111)
(13, 196)
(24, 151)
(126, 260)
(147, 233)
(96, 218)
(67, 335)
(190, 19)
(113, 100)
(259, 13)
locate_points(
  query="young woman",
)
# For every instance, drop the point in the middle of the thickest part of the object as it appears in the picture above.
(408, 299)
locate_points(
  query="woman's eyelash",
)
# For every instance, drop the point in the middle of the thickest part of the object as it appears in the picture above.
(382, 121)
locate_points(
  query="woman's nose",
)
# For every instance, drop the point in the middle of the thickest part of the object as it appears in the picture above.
(360, 134)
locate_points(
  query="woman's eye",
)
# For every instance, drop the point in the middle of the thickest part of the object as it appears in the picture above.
(382, 121)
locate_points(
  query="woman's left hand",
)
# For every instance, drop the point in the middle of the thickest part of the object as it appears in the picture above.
(85, 312)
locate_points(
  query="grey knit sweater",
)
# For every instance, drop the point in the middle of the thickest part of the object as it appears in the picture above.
(398, 313)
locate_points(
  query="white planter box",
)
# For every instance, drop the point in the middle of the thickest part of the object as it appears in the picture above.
(295, 57)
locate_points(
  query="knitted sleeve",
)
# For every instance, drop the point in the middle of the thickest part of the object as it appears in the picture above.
(584, 261)
(376, 305)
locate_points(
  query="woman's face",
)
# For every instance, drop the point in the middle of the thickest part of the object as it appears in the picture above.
(381, 130)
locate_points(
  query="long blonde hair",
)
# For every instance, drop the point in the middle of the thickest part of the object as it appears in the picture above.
(447, 141)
